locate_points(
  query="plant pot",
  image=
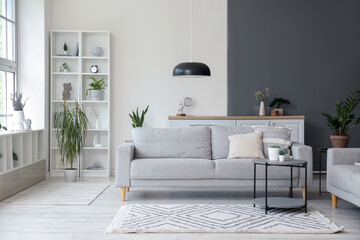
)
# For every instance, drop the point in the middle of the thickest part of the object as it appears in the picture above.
(339, 141)
(71, 175)
(281, 158)
(18, 120)
(280, 111)
(274, 154)
(274, 112)
(96, 95)
(65, 52)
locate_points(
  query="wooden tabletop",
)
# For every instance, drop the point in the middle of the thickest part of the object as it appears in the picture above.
(234, 117)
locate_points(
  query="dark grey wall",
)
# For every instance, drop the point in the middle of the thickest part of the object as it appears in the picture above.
(305, 50)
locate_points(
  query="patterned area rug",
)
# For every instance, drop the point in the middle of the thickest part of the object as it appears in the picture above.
(201, 218)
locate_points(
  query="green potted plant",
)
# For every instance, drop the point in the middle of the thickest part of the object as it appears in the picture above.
(274, 152)
(96, 89)
(261, 96)
(71, 125)
(342, 121)
(64, 68)
(137, 120)
(278, 102)
(65, 49)
(282, 153)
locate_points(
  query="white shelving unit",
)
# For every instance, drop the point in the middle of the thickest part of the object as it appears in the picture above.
(79, 79)
(27, 145)
(22, 161)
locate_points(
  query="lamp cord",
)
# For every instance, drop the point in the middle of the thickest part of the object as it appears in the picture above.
(191, 31)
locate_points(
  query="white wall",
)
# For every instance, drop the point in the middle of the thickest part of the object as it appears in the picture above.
(32, 62)
(148, 39)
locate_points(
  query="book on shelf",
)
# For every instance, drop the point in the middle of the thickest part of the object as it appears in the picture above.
(76, 52)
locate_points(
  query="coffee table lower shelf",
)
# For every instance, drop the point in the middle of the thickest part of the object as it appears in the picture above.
(280, 202)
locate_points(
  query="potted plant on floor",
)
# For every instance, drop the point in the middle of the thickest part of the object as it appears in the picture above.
(341, 122)
(71, 126)
(18, 114)
(96, 89)
(278, 102)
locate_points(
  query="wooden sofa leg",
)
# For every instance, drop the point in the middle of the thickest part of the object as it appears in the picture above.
(303, 193)
(334, 200)
(128, 189)
(123, 192)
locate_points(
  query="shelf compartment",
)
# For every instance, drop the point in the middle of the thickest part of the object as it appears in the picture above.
(3, 162)
(35, 146)
(27, 148)
(72, 62)
(103, 65)
(85, 85)
(58, 82)
(90, 39)
(9, 155)
(59, 38)
(17, 147)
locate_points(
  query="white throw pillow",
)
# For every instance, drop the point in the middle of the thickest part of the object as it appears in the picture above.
(247, 145)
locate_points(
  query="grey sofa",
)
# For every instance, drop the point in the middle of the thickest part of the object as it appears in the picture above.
(195, 157)
(343, 176)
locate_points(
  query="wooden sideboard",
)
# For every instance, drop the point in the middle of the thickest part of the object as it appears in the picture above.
(296, 123)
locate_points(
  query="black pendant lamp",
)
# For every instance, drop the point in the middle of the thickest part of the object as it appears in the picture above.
(191, 69)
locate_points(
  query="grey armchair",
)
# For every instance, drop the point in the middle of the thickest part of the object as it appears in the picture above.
(343, 176)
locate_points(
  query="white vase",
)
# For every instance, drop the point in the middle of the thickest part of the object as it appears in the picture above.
(96, 95)
(97, 124)
(96, 140)
(274, 154)
(71, 175)
(65, 52)
(18, 120)
(262, 109)
(281, 158)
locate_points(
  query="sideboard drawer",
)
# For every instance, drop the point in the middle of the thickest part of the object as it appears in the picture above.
(200, 123)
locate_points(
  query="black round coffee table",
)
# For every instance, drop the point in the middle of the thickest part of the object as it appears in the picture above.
(280, 202)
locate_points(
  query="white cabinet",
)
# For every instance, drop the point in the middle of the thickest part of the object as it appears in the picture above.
(249, 123)
(200, 123)
(86, 49)
(296, 123)
(297, 128)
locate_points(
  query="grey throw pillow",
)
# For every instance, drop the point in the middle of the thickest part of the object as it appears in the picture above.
(274, 136)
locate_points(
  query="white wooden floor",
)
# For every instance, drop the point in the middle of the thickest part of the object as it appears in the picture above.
(88, 222)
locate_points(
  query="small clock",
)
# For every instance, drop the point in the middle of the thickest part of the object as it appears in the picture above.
(94, 68)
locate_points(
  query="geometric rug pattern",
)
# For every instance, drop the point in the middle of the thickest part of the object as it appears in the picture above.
(211, 218)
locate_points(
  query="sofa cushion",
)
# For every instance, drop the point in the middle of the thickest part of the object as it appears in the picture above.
(248, 145)
(274, 136)
(172, 168)
(244, 169)
(346, 177)
(220, 142)
(172, 142)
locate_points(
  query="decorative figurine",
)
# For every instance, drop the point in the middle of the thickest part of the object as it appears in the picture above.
(66, 92)
(27, 124)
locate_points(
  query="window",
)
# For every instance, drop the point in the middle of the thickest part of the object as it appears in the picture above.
(8, 66)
